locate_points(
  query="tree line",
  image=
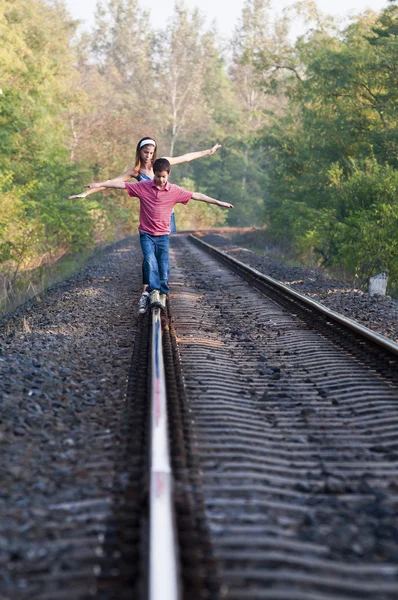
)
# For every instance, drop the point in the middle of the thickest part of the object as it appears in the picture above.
(308, 127)
(332, 156)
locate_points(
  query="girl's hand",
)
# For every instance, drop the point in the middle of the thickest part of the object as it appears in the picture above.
(93, 185)
(226, 205)
(82, 195)
(214, 148)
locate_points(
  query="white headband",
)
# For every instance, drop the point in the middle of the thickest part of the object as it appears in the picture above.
(148, 142)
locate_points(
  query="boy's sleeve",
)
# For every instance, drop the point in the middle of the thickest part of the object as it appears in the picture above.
(133, 189)
(182, 196)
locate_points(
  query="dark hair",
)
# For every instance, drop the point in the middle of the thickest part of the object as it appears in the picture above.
(161, 164)
(137, 165)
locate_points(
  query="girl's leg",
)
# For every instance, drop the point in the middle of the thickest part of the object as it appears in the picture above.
(144, 298)
(144, 278)
(173, 225)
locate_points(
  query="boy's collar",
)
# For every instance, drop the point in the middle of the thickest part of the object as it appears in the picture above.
(166, 187)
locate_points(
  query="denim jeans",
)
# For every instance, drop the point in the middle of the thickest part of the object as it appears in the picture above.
(173, 229)
(155, 249)
(173, 224)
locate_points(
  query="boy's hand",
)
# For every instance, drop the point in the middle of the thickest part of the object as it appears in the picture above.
(82, 195)
(225, 205)
(214, 148)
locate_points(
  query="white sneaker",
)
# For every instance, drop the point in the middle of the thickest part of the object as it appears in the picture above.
(162, 299)
(143, 303)
(155, 299)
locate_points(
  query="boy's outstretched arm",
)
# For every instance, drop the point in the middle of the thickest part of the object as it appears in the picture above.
(209, 200)
(110, 183)
(125, 176)
(176, 160)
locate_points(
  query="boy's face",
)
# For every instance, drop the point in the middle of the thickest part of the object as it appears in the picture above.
(161, 178)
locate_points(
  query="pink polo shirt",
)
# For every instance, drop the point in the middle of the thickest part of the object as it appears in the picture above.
(156, 205)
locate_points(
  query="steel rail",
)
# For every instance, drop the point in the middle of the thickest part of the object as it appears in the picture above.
(163, 562)
(363, 331)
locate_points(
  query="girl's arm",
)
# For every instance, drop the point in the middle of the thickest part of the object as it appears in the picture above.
(209, 200)
(176, 160)
(125, 176)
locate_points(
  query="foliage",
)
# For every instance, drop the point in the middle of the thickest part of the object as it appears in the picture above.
(197, 215)
(365, 240)
(37, 75)
(309, 130)
(38, 103)
(333, 153)
(186, 56)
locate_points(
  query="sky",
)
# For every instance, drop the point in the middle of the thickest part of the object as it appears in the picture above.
(225, 12)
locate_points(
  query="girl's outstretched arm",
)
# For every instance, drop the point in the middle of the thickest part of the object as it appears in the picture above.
(176, 160)
(125, 176)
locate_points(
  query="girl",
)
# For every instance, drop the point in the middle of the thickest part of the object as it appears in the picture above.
(145, 156)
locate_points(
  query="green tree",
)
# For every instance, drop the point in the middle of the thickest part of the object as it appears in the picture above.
(37, 76)
(340, 119)
(185, 55)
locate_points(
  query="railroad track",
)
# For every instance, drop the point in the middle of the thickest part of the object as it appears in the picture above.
(166, 553)
(294, 435)
(281, 481)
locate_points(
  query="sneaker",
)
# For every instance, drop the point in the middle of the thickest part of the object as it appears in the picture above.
(143, 303)
(155, 299)
(163, 298)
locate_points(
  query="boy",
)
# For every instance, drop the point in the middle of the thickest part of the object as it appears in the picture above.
(157, 199)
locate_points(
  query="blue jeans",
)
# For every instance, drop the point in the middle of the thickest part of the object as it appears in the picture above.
(173, 224)
(173, 229)
(155, 249)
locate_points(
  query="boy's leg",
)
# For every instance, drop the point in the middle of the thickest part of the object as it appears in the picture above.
(151, 269)
(162, 255)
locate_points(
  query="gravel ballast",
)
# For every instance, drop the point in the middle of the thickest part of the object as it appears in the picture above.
(64, 365)
(379, 313)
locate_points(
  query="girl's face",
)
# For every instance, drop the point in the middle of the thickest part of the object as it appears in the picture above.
(146, 153)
